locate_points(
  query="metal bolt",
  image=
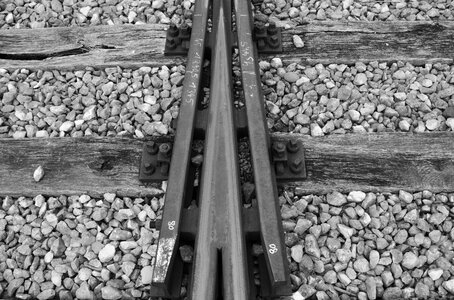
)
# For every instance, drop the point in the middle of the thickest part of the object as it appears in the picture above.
(149, 168)
(272, 29)
(173, 30)
(261, 44)
(296, 166)
(293, 146)
(260, 30)
(165, 149)
(152, 148)
(273, 41)
(170, 43)
(185, 29)
(279, 149)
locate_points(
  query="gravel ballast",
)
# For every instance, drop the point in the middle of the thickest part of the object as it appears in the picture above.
(289, 13)
(316, 100)
(59, 13)
(77, 246)
(370, 245)
(286, 13)
(109, 102)
(374, 97)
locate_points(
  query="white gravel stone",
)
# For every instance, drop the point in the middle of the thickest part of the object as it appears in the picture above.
(405, 196)
(107, 253)
(432, 124)
(297, 253)
(449, 286)
(297, 41)
(450, 123)
(360, 79)
(336, 199)
(38, 174)
(435, 274)
(146, 273)
(67, 126)
(316, 130)
(356, 196)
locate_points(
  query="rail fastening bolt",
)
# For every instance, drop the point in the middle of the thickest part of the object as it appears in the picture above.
(296, 166)
(279, 149)
(152, 148)
(165, 149)
(170, 43)
(173, 30)
(293, 146)
(272, 29)
(149, 168)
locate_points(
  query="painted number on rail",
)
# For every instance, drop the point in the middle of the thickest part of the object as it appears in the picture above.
(171, 225)
(272, 248)
(194, 71)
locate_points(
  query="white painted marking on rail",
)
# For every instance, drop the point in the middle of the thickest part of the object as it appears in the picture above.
(163, 257)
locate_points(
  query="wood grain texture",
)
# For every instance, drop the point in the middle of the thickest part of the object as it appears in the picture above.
(72, 166)
(372, 162)
(132, 46)
(384, 162)
(69, 48)
(350, 42)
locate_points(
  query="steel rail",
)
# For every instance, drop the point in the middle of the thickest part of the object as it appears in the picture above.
(264, 178)
(225, 230)
(179, 166)
(220, 244)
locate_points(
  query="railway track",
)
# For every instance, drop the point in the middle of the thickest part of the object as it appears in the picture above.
(365, 212)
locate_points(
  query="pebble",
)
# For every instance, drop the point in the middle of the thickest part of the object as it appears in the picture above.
(38, 174)
(291, 77)
(361, 265)
(356, 196)
(297, 41)
(392, 293)
(360, 79)
(302, 225)
(374, 257)
(128, 267)
(371, 288)
(412, 216)
(422, 290)
(432, 124)
(67, 126)
(405, 196)
(336, 199)
(119, 235)
(449, 286)
(297, 253)
(110, 293)
(84, 274)
(107, 253)
(410, 260)
(84, 292)
(46, 294)
(311, 246)
(316, 130)
(306, 291)
(146, 274)
(435, 274)
(346, 231)
(56, 278)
